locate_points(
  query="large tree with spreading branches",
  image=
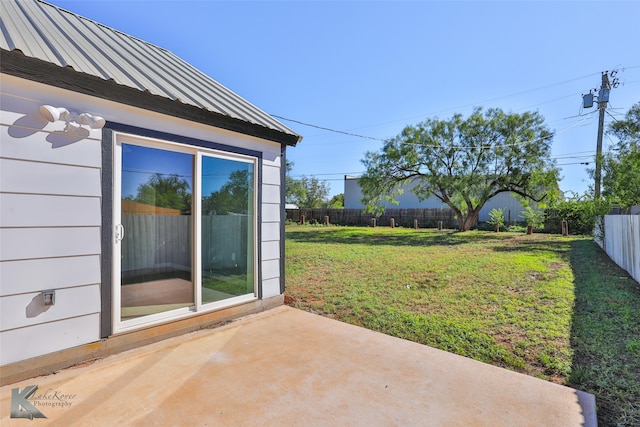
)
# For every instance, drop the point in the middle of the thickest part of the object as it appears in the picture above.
(464, 162)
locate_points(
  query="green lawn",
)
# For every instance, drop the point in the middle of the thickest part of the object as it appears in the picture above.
(552, 307)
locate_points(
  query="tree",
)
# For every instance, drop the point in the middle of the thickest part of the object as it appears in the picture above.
(311, 193)
(336, 202)
(293, 187)
(169, 191)
(621, 167)
(496, 218)
(464, 162)
(305, 192)
(232, 197)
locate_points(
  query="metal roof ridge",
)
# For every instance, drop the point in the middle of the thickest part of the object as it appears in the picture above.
(61, 9)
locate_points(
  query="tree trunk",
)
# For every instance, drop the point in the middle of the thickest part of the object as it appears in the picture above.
(467, 222)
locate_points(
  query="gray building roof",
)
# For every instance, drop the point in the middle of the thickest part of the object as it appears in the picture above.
(45, 32)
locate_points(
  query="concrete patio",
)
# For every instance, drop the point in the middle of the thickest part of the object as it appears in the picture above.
(289, 367)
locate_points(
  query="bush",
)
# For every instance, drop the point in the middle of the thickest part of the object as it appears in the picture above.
(534, 218)
(581, 215)
(496, 218)
(516, 228)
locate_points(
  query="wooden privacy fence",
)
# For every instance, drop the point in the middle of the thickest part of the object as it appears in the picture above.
(427, 218)
(158, 242)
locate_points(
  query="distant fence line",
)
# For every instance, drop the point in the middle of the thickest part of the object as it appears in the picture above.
(427, 218)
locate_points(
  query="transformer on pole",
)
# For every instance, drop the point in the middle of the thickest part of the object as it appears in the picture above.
(603, 100)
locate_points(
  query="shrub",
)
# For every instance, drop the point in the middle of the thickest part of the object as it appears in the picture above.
(534, 218)
(496, 218)
(581, 215)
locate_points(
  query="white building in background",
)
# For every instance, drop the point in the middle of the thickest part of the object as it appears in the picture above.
(508, 202)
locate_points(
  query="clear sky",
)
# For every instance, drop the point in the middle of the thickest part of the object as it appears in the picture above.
(371, 68)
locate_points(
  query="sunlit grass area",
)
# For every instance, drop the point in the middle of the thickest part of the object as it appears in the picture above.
(513, 300)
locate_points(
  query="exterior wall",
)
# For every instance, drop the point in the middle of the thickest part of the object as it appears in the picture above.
(510, 204)
(50, 215)
(407, 200)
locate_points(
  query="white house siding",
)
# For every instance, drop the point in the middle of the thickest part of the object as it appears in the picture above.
(50, 214)
(271, 217)
(508, 202)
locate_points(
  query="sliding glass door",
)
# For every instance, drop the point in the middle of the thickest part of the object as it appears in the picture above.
(227, 234)
(157, 260)
(185, 238)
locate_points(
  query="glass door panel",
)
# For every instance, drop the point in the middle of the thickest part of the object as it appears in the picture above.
(227, 235)
(156, 249)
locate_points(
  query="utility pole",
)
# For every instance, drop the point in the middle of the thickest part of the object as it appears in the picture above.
(603, 100)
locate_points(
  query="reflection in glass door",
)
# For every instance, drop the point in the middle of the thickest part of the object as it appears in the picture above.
(156, 223)
(227, 229)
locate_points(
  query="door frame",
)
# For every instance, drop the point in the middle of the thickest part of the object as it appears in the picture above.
(114, 134)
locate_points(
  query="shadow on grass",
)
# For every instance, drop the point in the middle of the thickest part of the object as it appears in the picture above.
(538, 243)
(387, 236)
(605, 335)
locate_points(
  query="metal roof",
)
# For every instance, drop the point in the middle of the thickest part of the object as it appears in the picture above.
(52, 34)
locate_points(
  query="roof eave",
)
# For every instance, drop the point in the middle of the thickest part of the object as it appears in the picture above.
(15, 63)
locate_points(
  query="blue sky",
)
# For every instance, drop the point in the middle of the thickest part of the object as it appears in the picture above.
(371, 68)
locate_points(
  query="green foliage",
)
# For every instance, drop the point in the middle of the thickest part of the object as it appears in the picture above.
(533, 217)
(621, 166)
(170, 191)
(305, 192)
(233, 196)
(496, 218)
(464, 162)
(580, 213)
(336, 202)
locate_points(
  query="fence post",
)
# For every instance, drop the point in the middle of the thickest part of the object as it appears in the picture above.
(373, 222)
(439, 225)
(393, 223)
(301, 219)
(565, 228)
(326, 220)
(415, 224)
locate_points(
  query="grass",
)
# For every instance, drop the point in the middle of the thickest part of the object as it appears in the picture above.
(551, 307)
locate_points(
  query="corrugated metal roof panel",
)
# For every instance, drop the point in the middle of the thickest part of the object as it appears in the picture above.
(46, 32)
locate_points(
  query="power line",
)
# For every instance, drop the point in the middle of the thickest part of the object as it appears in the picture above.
(328, 129)
(576, 155)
